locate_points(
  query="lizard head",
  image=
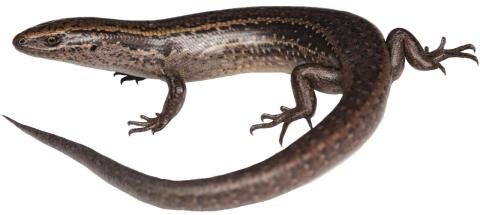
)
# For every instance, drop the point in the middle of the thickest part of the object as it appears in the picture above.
(93, 42)
(57, 40)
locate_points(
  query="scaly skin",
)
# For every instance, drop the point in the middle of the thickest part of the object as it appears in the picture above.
(326, 50)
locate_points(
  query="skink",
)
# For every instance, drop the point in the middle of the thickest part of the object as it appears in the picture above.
(325, 50)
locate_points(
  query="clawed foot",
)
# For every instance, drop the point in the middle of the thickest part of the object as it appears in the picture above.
(441, 54)
(173, 104)
(154, 124)
(128, 78)
(287, 116)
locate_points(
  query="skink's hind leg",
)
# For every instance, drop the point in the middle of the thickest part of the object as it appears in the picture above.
(305, 79)
(402, 44)
(174, 102)
(128, 77)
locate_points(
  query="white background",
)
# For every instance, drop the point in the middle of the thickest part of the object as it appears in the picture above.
(423, 159)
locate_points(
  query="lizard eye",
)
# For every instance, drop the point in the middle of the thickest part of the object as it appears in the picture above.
(52, 41)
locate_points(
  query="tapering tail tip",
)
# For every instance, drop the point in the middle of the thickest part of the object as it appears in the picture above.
(38, 134)
(12, 121)
(27, 129)
(24, 128)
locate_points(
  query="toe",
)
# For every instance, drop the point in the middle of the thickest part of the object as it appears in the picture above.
(263, 125)
(284, 109)
(265, 116)
(136, 123)
(136, 130)
(464, 47)
(146, 117)
(468, 56)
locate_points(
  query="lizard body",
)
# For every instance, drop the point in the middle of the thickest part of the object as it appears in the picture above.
(325, 50)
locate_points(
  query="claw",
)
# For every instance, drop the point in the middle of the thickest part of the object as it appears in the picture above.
(282, 133)
(442, 68)
(309, 121)
(123, 80)
(253, 128)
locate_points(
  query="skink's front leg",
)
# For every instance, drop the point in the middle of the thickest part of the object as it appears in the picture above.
(174, 102)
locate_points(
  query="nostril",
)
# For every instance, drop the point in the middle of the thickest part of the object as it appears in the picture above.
(19, 41)
(22, 41)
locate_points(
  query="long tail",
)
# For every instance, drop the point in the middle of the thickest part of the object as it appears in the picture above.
(304, 160)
